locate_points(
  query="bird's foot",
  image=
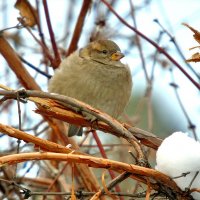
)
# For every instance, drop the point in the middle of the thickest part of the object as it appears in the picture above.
(89, 116)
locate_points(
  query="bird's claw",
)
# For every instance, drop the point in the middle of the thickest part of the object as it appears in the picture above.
(88, 116)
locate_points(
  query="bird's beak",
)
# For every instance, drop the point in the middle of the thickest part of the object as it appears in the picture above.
(117, 56)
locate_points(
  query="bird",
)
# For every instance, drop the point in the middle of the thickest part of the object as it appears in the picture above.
(94, 75)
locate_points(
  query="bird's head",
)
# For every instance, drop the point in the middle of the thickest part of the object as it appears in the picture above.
(103, 51)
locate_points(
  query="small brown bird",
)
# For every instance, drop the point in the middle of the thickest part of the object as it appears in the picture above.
(96, 76)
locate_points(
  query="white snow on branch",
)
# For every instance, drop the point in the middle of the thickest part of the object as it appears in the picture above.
(179, 154)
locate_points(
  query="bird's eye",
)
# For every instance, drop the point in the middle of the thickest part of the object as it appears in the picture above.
(104, 51)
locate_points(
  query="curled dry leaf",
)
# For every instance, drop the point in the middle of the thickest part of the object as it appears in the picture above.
(28, 13)
(195, 57)
(196, 33)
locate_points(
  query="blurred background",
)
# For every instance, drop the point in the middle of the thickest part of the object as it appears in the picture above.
(163, 99)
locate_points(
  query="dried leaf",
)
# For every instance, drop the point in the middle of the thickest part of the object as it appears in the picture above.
(196, 33)
(195, 58)
(28, 13)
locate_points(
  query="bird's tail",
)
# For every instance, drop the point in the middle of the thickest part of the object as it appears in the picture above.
(75, 130)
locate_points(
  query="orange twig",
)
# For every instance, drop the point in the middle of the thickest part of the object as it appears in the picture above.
(96, 163)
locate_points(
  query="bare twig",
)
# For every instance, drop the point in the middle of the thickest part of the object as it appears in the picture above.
(41, 143)
(57, 58)
(112, 183)
(79, 26)
(193, 179)
(173, 40)
(191, 126)
(138, 42)
(153, 175)
(103, 153)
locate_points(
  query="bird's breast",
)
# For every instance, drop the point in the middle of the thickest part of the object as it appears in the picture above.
(107, 88)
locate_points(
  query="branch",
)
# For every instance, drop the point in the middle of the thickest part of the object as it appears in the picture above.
(16, 65)
(87, 177)
(57, 59)
(107, 124)
(111, 184)
(79, 26)
(115, 126)
(152, 175)
(38, 142)
(103, 154)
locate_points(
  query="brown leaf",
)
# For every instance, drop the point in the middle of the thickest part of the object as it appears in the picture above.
(195, 58)
(196, 33)
(28, 13)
